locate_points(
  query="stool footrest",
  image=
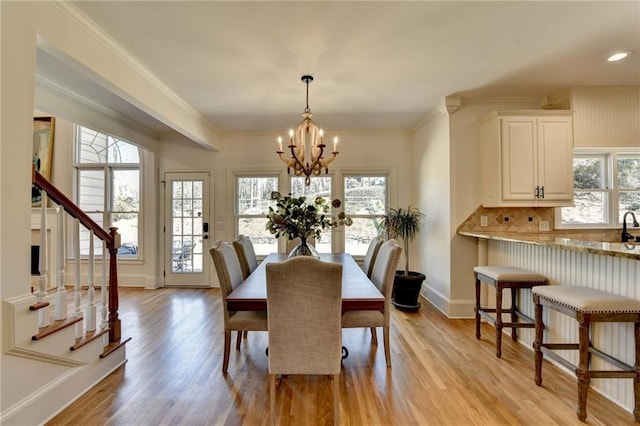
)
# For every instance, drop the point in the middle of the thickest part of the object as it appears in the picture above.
(554, 356)
(519, 324)
(529, 324)
(611, 360)
(611, 374)
(574, 346)
(557, 346)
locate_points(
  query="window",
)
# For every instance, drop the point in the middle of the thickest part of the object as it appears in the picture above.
(606, 185)
(252, 205)
(320, 187)
(365, 200)
(628, 171)
(108, 187)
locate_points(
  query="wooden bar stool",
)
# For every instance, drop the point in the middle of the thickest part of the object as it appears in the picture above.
(587, 306)
(502, 277)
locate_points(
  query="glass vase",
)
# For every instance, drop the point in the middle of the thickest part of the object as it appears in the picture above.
(304, 249)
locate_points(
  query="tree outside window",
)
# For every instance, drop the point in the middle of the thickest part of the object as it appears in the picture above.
(365, 201)
(252, 205)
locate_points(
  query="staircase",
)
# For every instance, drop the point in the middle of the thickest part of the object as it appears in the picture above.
(76, 327)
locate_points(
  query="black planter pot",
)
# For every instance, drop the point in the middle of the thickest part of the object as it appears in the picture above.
(406, 289)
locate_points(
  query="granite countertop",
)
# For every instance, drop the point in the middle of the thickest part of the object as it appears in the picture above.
(564, 241)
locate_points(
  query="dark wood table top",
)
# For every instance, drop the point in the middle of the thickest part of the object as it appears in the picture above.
(358, 292)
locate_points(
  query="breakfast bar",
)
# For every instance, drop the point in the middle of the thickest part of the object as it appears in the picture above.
(568, 259)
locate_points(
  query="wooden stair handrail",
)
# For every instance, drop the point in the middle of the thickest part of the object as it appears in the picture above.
(111, 239)
(69, 206)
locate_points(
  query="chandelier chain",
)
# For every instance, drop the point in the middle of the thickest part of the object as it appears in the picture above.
(307, 108)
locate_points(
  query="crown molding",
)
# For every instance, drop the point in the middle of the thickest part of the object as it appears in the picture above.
(450, 104)
(503, 100)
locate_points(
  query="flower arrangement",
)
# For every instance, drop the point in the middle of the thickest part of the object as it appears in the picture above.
(295, 217)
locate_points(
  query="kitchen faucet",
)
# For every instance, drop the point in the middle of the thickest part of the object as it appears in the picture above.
(625, 235)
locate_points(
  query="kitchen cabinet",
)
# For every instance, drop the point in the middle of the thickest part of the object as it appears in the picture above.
(527, 158)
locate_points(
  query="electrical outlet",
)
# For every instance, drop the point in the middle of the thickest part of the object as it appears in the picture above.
(543, 225)
(484, 221)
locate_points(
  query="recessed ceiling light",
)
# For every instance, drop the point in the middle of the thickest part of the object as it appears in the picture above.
(618, 56)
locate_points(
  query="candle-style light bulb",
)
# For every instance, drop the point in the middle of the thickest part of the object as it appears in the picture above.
(279, 143)
(291, 136)
(335, 144)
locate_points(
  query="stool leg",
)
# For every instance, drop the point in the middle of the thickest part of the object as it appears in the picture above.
(582, 372)
(498, 320)
(538, 342)
(477, 308)
(636, 381)
(514, 317)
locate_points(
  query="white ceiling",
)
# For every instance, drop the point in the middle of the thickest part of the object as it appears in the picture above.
(377, 65)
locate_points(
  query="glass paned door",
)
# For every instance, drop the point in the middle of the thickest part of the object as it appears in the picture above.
(187, 229)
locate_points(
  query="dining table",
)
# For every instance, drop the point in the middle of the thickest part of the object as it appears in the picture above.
(358, 292)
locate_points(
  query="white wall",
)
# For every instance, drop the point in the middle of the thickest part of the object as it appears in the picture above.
(19, 377)
(447, 168)
(432, 161)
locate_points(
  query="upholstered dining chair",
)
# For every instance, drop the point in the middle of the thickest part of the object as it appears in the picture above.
(383, 274)
(372, 252)
(230, 276)
(304, 304)
(246, 255)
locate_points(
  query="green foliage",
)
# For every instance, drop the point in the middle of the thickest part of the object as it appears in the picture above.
(587, 173)
(294, 217)
(402, 224)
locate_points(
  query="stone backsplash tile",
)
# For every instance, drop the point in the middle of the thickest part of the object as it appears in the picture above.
(527, 220)
(511, 219)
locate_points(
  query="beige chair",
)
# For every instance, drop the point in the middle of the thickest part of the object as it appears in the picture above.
(370, 257)
(304, 304)
(246, 255)
(383, 274)
(230, 277)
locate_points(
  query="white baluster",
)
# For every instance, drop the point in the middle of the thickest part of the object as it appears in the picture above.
(61, 293)
(90, 309)
(103, 292)
(43, 281)
(76, 283)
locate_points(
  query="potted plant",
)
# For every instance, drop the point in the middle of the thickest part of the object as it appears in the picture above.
(404, 225)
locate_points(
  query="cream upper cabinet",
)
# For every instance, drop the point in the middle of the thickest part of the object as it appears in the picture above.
(527, 159)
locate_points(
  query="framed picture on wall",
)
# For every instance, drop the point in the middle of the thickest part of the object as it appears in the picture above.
(43, 135)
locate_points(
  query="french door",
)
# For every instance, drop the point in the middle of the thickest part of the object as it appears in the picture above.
(186, 230)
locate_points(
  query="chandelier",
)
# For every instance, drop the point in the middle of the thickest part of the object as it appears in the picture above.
(307, 146)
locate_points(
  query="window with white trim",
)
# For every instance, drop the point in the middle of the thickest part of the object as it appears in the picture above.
(108, 187)
(252, 195)
(606, 185)
(365, 200)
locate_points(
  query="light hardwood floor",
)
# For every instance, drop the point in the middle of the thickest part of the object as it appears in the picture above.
(441, 375)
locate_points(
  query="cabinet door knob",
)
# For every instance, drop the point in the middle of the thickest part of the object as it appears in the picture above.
(537, 192)
(542, 191)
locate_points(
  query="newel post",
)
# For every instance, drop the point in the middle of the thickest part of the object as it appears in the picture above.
(114, 321)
